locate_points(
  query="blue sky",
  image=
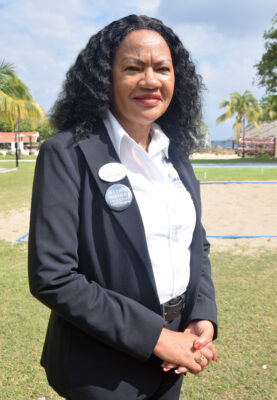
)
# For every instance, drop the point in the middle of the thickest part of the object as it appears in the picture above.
(43, 37)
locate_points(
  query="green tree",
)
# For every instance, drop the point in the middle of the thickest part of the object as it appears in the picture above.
(245, 108)
(5, 126)
(45, 128)
(269, 107)
(267, 67)
(267, 73)
(16, 101)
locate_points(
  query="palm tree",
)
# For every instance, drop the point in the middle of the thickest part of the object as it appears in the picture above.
(244, 107)
(269, 107)
(16, 101)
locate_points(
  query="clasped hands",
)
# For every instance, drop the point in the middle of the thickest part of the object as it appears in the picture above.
(188, 351)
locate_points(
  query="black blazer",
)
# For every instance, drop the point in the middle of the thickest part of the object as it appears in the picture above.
(90, 265)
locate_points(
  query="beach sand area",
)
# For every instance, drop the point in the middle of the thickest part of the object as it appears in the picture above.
(237, 210)
(227, 209)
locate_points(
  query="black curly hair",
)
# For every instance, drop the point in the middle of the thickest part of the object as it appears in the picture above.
(87, 90)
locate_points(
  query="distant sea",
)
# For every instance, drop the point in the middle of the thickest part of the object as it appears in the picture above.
(225, 144)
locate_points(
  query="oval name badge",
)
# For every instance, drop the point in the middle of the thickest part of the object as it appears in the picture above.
(118, 197)
(112, 172)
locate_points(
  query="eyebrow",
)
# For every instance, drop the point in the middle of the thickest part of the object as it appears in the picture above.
(138, 61)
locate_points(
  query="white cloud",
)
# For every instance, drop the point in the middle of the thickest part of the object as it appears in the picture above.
(146, 6)
(43, 37)
(226, 65)
(233, 17)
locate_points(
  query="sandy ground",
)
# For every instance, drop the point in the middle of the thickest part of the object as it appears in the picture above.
(231, 209)
(240, 209)
(14, 224)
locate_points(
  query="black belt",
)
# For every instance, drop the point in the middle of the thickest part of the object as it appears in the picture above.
(172, 308)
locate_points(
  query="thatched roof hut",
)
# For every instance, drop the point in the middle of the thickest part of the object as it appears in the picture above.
(267, 129)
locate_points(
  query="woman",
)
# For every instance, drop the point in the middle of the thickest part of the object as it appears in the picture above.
(116, 249)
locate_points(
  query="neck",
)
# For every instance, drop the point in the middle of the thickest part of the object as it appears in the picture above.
(140, 133)
(142, 138)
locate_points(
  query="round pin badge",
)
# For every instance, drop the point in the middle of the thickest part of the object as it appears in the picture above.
(118, 197)
(112, 172)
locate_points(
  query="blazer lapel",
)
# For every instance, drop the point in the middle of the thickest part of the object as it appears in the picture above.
(98, 151)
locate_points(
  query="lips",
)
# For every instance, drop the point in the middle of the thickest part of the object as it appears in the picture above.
(148, 99)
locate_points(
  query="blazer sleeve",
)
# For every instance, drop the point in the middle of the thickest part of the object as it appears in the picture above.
(108, 316)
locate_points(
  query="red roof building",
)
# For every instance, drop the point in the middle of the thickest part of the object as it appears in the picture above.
(8, 139)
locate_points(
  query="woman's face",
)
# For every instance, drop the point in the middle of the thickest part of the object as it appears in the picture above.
(143, 78)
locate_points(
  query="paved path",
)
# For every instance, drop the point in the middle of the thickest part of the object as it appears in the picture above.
(3, 170)
(19, 161)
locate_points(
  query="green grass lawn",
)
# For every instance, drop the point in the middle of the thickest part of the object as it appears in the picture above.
(22, 329)
(235, 174)
(246, 299)
(245, 287)
(16, 186)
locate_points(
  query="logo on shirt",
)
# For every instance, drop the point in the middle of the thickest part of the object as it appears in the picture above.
(176, 180)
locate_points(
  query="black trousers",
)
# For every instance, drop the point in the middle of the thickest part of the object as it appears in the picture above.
(169, 388)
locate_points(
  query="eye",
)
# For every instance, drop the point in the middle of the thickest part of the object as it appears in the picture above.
(163, 69)
(132, 68)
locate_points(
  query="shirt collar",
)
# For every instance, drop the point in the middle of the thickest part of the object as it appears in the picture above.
(159, 141)
(115, 130)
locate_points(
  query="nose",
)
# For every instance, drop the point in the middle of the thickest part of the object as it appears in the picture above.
(150, 79)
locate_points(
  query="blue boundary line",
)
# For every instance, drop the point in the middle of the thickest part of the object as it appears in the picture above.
(22, 237)
(208, 236)
(241, 236)
(239, 182)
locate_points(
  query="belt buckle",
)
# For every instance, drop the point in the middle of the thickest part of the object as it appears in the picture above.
(164, 313)
(170, 312)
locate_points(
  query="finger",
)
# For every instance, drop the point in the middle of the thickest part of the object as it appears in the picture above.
(181, 370)
(166, 369)
(208, 354)
(202, 341)
(169, 364)
(166, 366)
(212, 348)
(202, 361)
(195, 368)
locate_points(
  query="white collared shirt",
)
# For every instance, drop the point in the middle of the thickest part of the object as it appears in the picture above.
(166, 207)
